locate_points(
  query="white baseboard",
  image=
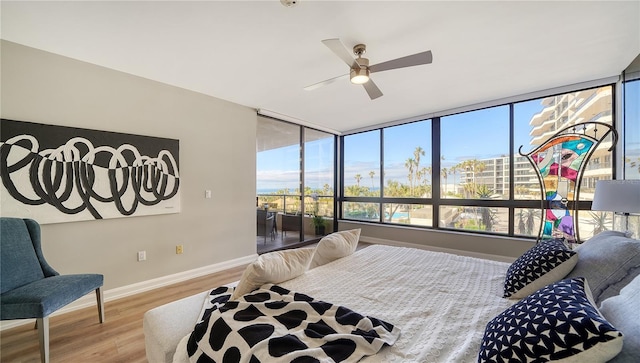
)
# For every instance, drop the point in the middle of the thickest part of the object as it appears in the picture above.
(389, 242)
(139, 287)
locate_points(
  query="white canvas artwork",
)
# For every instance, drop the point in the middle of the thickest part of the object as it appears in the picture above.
(56, 174)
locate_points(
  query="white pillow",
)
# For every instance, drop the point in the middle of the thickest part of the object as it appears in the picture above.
(622, 312)
(335, 246)
(273, 267)
(609, 261)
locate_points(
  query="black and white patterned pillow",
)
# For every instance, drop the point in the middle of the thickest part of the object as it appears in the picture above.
(543, 264)
(556, 323)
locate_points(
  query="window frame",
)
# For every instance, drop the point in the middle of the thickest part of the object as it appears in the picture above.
(436, 201)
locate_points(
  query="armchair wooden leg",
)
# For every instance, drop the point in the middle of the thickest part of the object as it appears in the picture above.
(43, 335)
(100, 299)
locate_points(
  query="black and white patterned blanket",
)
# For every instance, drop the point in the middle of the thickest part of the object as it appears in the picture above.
(274, 324)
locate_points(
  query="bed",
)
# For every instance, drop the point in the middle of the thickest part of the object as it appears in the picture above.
(442, 304)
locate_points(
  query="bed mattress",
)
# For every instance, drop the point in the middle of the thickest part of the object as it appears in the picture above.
(441, 302)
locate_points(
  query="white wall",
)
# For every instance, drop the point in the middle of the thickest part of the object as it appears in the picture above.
(217, 152)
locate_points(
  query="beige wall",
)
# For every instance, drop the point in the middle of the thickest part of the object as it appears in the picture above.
(217, 152)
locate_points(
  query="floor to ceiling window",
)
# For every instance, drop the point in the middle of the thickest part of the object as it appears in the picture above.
(465, 170)
(361, 165)
(319, 181)
(407, 173)
(631, 154)
(474, 150)
(294, 197)
(632, 129)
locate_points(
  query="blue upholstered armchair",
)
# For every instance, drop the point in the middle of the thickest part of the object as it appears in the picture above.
(29, 287)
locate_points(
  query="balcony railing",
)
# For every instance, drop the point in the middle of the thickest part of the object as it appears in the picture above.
(291, 204)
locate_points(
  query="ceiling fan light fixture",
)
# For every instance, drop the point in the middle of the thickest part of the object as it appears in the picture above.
(289, 3)
(359, 76)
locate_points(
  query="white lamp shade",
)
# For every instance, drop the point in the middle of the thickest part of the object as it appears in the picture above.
(621, 196)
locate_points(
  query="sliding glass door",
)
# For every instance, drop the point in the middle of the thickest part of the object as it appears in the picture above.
(294, 183)
(318, 181)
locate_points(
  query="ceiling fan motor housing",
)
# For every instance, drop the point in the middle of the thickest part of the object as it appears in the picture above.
(360, 75)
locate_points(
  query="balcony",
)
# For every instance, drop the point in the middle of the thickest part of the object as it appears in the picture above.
(596, 103)
(292, 227)
(544, 127)
(542, 116)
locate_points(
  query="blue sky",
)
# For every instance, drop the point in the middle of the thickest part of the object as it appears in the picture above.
(632, 131)
(478, 134)
(277, 168)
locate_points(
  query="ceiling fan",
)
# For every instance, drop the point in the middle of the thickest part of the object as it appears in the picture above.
(360, 68)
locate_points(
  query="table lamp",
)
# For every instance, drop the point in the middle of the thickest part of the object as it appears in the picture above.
(618, 196)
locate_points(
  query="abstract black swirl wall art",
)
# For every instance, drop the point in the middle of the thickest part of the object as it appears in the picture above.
(61, 174)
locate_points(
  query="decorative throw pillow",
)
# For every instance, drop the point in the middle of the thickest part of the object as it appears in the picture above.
(335, 246)
(557, 323)
(273, 267)
(543, 264)
(619, 311)
(609, 261)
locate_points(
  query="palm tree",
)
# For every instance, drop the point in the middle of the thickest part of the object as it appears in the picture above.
(487, 214)
(522, 228)
(468, 186)
(416, 156)
(358, 178)
(468, 190)
(521, 190)
(410, 164)
(394, 189)
(599, 220)
(453, 170)
(425, 187)
(526, 221)
(444, 172)
(352, 190)
(371, 174)
(478, 168)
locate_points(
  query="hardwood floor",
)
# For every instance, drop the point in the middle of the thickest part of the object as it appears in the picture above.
(78, 337)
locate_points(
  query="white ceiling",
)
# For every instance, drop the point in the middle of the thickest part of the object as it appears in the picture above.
(261, 54)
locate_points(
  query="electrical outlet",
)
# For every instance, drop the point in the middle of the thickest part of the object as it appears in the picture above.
(142, 255)
(179, 249)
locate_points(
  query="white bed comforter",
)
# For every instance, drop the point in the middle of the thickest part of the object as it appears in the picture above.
(441, 302)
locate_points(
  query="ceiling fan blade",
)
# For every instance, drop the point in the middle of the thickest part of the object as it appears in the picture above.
(325, 82)
(408, 61)
(341, 51)
(373, 90)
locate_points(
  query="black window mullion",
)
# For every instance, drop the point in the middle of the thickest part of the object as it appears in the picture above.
(341, 195)
(435, 157)
(381, 172)
(301, 146)
(512, 183)
(337, 190)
